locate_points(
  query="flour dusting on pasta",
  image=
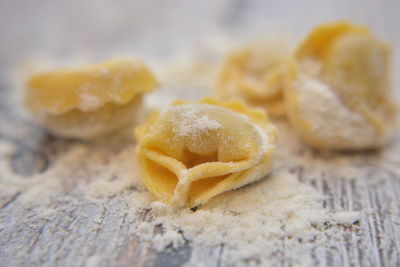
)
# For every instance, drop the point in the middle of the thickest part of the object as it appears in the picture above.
(191, 121)
(318, 102)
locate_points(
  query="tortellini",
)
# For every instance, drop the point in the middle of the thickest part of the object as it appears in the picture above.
(89, 101)
(256, 74)
(338, 89)
(192, 152)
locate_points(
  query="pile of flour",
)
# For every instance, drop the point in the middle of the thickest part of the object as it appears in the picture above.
(248, 220)
(190, 121)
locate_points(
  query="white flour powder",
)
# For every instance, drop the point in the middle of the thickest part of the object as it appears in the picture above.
(328, 116)
(190, 121)
(248, 220)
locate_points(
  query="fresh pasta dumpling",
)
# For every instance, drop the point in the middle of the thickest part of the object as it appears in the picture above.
(89, 101)
(192, 152)
(256, 74)
(338, 89)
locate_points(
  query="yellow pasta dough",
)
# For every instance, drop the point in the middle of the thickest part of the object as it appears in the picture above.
(338, 89)
(89, 101)
(192, 152)
(256, 74)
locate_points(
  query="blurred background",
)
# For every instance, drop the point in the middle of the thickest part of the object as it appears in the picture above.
(158, 28)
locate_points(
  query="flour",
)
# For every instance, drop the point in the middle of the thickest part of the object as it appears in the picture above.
(42, 187)
(347, 218)
(114, 180)
(169, 239)
(94, 261)
(145, 230)
(247, 220)
(190, 121)
(293, 153)
(328, 116)
(90, 102)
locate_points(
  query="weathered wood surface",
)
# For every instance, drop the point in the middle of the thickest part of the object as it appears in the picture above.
(80, 232)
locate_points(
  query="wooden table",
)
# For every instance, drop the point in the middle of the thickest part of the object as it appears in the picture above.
(80, 232)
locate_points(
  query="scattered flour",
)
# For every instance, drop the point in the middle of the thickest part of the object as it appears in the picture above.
(94, 261)
(292, 153)
(89, 101)
(169, 239)
(43, 187)
(248, 220)
(113, 180)
(191, 121)
(318, 104)
(145, 230)
(347, 218)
